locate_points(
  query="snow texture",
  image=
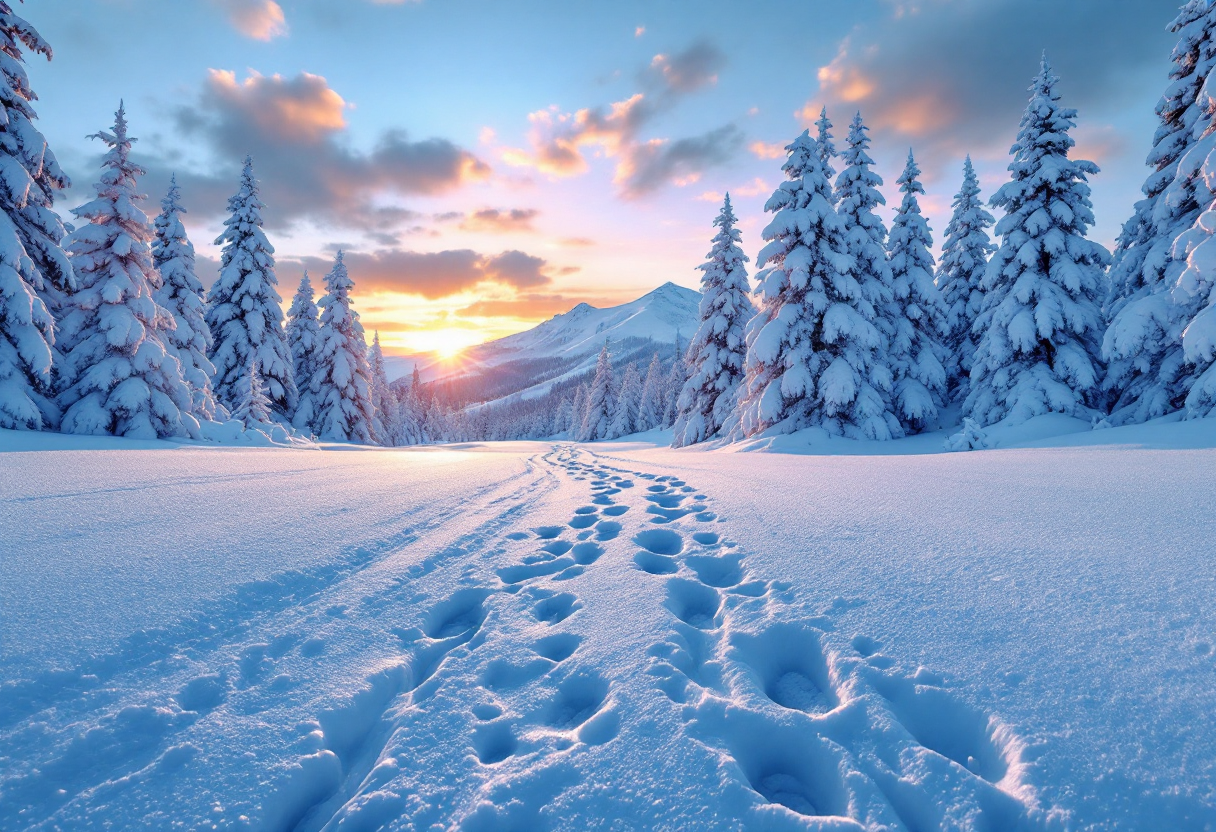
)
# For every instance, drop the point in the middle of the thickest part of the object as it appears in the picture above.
(1041, 326)
(243, 307)
(342, 382)
(718, 350)
(181, 294)
(960, 273)
(118, 376)
(523, 636)
(813, 349)
(34, 270)
(917, 355)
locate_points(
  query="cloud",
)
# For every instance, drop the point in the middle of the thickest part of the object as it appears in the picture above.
(767, 150)
(559, 141)
(527, 307)
(434, 274)
(688, 71)
(295, 129)
(496, 221)
(653, 164)
(639, 31)
(257, 19)
(576, 242)
(974, 61)
(756, 187)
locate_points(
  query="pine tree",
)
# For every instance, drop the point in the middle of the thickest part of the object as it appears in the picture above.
(578, 409)
(253, 410)
(344, 398)
(719, 348)
(118, 376)
(385, 428)
(964, 259)
(181, 293)
(304, 342)
(35, 272)
(243, 307)
(561, 418)
(677, 377)
(812, 348)
(825, 146)
(1143, 342)
(628, 402)
(650, 412)
(597, 410)
(917, 355)
(1041, 324)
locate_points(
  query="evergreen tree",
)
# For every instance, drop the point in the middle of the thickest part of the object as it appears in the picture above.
(719, 348)
(825, 146)
(917, 356)
(1143, 342)
(1041, 324)
(628, 402)
(181, 293)
(650, 412)
(561, 419)
(118, 377)
(578, 409)
(253, 410)
(243, 307)
(597, 409)
(385, 427)
(677, 377)
(304, 342)
(35, 272)
(812, 348)
(964, 259)
(344, 397)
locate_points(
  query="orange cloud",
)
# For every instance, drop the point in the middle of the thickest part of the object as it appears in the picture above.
(767, 150)
(257, 19)
(500, 221)
(299, 108)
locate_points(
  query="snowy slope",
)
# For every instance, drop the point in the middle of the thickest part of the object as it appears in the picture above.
(566, 345)
(616, 636)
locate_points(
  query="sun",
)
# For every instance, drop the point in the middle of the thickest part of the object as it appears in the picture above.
(445, 343)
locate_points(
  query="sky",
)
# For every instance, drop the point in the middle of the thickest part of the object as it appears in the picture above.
(487, 164)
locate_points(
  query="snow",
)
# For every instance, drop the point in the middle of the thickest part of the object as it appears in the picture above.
(614, 635)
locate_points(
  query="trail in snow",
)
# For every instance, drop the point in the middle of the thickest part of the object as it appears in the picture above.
(580, 646)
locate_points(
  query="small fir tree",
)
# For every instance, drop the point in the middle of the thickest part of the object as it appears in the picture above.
(628, 402)
(597, 408)
(344, 399)
(304, 342)
(719, 347)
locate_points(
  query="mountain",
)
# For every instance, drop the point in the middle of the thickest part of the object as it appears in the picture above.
(528, 363)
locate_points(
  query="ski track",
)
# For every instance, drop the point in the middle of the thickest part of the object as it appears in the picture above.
(798, 734)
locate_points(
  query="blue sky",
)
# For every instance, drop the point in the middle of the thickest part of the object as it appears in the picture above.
(488, 164)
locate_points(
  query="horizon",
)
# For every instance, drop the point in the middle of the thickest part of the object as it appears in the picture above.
(471, 210)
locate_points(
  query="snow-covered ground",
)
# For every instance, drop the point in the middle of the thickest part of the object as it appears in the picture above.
(529, 636)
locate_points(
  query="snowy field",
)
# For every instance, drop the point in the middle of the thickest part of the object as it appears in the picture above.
(531, 636)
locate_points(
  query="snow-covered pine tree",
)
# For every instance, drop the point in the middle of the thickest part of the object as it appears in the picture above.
(719, 347)
(813, 346)
(561, 417)
(597, 409)
(304, 342)
(1143, 342)
(385, 426)
(243, 307)
(1041, 325)
(1195, 297)
(344, 396)
(253, 410)
(825, 146)
(917, 355)
(677, 377)
(650, 412)
(35, 272)
(118, 376)
(578, 409)
(181, 293)
(628, 402)
(964, 258)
